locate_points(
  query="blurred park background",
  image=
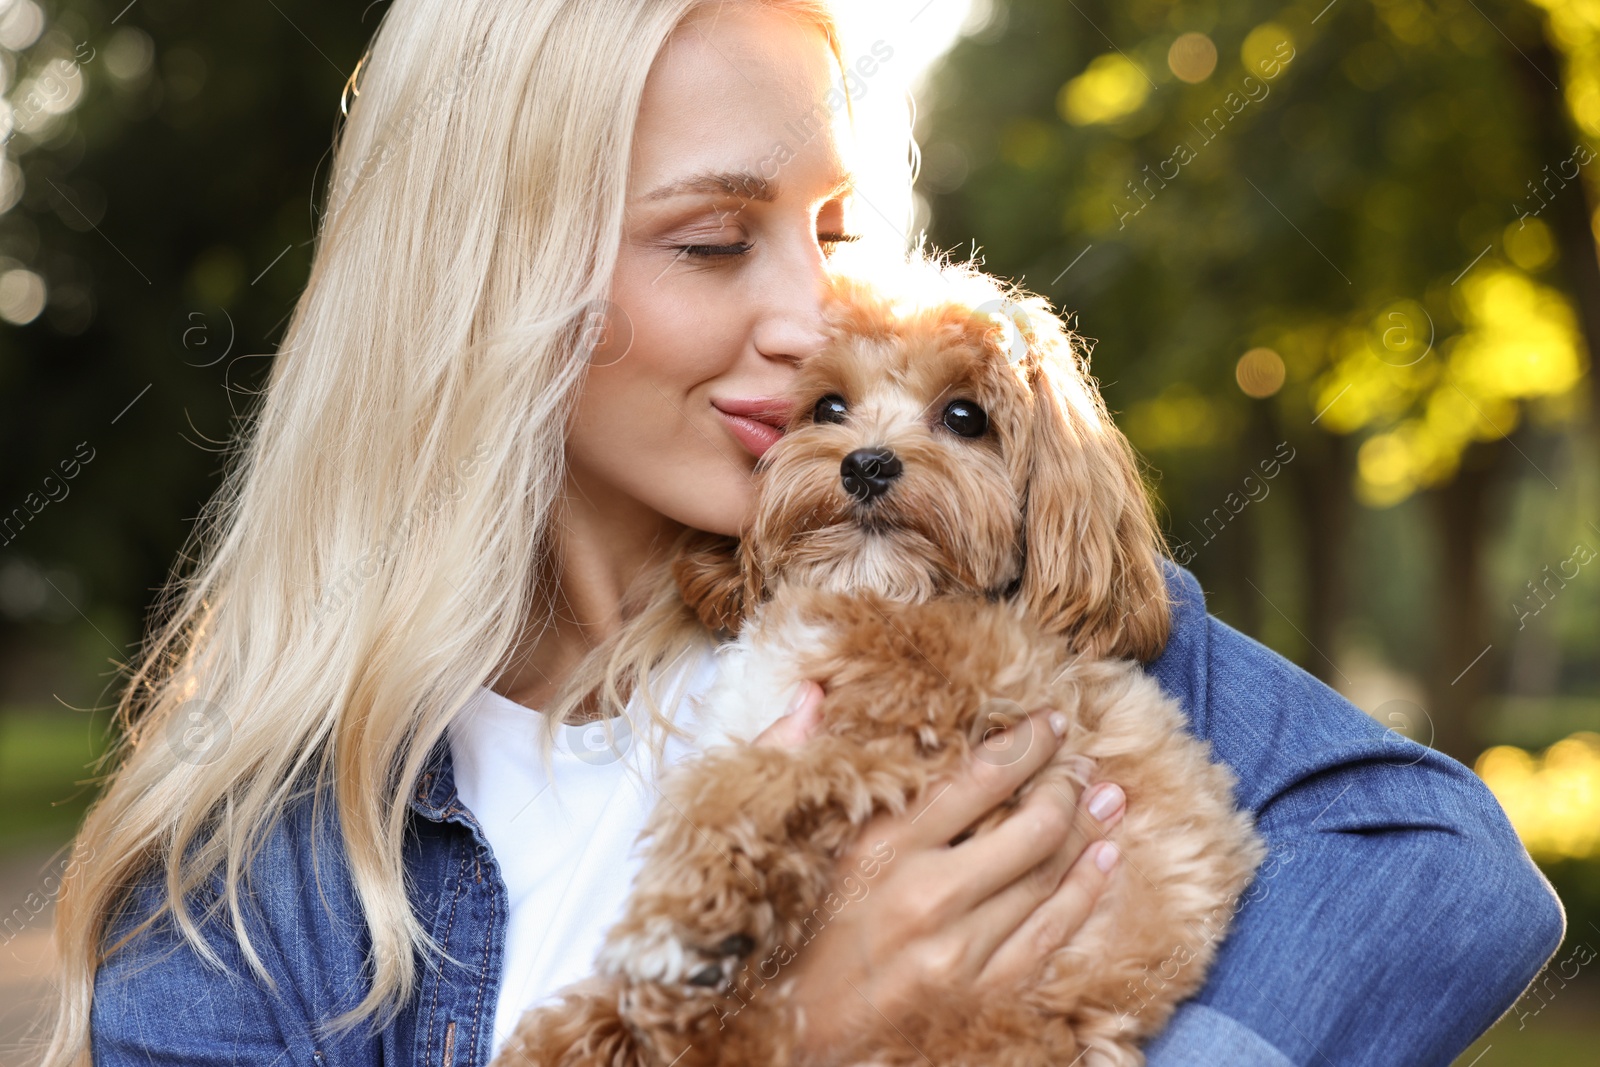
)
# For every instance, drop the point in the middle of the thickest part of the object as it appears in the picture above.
(1338, 261)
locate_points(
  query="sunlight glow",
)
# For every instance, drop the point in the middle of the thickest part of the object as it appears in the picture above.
(1553, 799)
(889, 47)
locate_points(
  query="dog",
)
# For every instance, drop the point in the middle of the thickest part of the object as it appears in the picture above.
(950, 533)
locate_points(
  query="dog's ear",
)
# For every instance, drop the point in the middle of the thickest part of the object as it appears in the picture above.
(1092, 548)
(710, 580)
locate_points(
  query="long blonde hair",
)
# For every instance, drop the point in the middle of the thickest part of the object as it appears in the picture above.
(385, 529)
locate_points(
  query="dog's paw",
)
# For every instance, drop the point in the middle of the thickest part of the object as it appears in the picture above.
(657, 954)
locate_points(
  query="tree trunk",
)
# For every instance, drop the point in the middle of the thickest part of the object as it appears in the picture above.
(1319, 476)
(1465, 665)
(1242, 554)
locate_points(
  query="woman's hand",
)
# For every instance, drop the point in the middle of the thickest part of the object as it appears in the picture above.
(983, 913)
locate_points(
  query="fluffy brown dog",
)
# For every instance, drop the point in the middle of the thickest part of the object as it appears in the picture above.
(951, 532)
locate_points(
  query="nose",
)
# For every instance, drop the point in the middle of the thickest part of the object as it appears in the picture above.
(868, 473)
(790, 326)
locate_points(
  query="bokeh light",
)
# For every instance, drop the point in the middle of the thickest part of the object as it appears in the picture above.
(1552, 799)
(22, 296)
(1529, 244)
(1180, 417)
(129, 53)
(1112, 87)
(1259, 372)
(21, 22)
(1264, 44)
(1192, 57)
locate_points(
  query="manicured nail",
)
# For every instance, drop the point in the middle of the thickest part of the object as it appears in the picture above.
(1105, 800)
(1058, 723)
(1106, 858)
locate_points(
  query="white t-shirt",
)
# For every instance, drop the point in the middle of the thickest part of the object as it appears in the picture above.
(565, 848)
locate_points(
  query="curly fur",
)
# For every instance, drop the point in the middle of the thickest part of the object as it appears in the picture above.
(1001, 573)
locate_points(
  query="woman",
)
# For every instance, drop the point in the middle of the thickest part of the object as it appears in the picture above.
(459, 496)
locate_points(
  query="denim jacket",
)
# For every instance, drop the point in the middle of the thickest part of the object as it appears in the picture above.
(1396, 918)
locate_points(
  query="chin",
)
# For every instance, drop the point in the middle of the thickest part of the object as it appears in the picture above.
(719, 508)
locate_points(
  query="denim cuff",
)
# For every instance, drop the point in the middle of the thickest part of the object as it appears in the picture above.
(1199, 1036)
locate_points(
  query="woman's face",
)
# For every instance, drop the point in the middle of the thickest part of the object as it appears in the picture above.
(736, 197)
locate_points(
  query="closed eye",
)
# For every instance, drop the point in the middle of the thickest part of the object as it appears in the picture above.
(828, 241)
(716, 250)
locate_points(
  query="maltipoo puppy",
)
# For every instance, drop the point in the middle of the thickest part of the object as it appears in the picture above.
(951, 533)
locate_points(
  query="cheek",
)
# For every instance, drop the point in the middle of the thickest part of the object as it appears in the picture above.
(971, 503)
(643, 427)
(661, 357)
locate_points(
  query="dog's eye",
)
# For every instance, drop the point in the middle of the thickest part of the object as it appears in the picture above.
(965, 419)
(830, 408)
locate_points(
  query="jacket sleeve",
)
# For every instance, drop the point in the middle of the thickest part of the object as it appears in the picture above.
(158, 1002)
(1397, 915)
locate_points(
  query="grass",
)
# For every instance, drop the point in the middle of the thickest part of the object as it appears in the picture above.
(1556, 1022)
(45, 756)
(1533, 1046)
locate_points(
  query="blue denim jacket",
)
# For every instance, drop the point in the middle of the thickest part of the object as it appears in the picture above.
(1396, 918)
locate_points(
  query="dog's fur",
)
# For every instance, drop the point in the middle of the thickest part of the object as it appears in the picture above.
(1015, 570)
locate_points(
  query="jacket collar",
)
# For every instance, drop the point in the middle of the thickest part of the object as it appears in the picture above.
(434, 796)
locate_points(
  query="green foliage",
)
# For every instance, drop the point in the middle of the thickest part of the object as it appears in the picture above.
(168, 161)
(1316, 192)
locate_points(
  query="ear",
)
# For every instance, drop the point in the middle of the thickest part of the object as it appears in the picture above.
(710, 581)
(1093, 551)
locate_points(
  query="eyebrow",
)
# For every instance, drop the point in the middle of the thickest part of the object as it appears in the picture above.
(744, 184)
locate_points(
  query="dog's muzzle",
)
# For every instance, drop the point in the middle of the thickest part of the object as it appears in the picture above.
(868, 473)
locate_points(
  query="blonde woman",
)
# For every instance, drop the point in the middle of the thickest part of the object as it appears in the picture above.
(570, 247)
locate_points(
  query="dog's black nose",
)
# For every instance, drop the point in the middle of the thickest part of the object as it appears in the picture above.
(868, 472)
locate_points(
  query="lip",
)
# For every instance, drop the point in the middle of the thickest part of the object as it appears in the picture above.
(757, 423)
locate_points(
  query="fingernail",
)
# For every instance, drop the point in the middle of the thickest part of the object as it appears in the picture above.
(1104, 800)
(1058, 723)
(799, 698)
(1106, 858)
